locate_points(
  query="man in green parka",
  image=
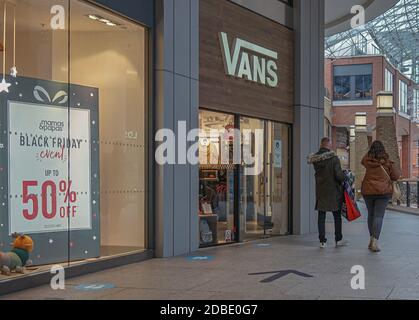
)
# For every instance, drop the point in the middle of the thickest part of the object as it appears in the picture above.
(329, 190)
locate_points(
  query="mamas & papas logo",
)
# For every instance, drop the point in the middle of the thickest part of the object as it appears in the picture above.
(53, 126)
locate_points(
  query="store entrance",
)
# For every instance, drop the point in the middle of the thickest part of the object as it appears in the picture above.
(264, 197)
(241, 201)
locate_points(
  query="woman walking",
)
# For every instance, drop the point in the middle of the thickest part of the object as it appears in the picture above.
(377, 188)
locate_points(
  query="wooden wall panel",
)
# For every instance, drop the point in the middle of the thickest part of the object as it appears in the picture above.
(220, 92)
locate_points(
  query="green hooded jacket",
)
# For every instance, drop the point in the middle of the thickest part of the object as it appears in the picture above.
(329, 179)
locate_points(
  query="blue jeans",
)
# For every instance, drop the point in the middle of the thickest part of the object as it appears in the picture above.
(377, 206)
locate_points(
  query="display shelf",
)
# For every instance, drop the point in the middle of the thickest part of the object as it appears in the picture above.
(217, 166)
(212, 220)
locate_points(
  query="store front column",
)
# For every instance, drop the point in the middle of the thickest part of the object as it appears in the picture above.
(309, 108)
(361, 148)
(406, 160)
(352, 151)
(177, 90)
(386, 126)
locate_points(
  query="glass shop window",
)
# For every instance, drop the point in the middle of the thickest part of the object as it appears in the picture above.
(389, 81)
(216, 180)
(72, 140)
(403, 97)
(353, 82)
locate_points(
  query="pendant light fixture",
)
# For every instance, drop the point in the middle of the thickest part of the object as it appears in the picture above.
(4, 86)
(13, 71)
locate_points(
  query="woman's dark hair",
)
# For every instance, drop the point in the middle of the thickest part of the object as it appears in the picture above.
(377, 151)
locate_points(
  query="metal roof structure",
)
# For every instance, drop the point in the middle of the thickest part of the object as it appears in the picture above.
(394, 34)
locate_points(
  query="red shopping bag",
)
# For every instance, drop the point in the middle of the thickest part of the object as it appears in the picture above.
(352, 211)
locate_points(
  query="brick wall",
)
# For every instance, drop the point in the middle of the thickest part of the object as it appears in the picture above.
(386, 133)
(344, 116)
(361, 148)
(415, 151)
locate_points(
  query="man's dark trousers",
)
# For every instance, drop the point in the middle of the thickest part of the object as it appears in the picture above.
(322, 226)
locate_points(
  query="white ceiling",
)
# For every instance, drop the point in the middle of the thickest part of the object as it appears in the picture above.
(338, 12)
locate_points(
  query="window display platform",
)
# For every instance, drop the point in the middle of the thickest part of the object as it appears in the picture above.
(106, 253)
(41, 275)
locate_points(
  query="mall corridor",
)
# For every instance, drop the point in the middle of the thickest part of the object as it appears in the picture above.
(226, 273)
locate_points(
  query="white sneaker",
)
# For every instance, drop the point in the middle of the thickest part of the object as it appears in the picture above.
(342, 243)
(323, 245)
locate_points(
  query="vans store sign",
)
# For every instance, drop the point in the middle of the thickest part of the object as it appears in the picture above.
(249, 61)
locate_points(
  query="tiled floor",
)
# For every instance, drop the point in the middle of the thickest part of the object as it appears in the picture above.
(391, 274)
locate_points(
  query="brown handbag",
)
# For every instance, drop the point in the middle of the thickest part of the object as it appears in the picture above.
(397, 193)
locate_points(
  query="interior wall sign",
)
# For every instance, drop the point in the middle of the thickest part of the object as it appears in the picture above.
(246, 60)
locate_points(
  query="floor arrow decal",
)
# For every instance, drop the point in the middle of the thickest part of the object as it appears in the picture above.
(280, 274)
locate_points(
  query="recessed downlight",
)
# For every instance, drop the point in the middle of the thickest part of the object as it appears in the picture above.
(103, 20)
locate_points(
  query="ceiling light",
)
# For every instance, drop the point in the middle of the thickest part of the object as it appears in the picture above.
(103, 20)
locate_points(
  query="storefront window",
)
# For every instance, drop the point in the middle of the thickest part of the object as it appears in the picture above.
(363, 88)
(216, 181)
(353, 82)
(342, 88)
(73, 122)
(111, 58)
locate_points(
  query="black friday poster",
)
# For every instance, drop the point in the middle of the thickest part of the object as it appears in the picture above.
(42, 143)
(53, 246)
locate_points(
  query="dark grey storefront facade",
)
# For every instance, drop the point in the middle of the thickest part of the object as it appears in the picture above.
(177, 94)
